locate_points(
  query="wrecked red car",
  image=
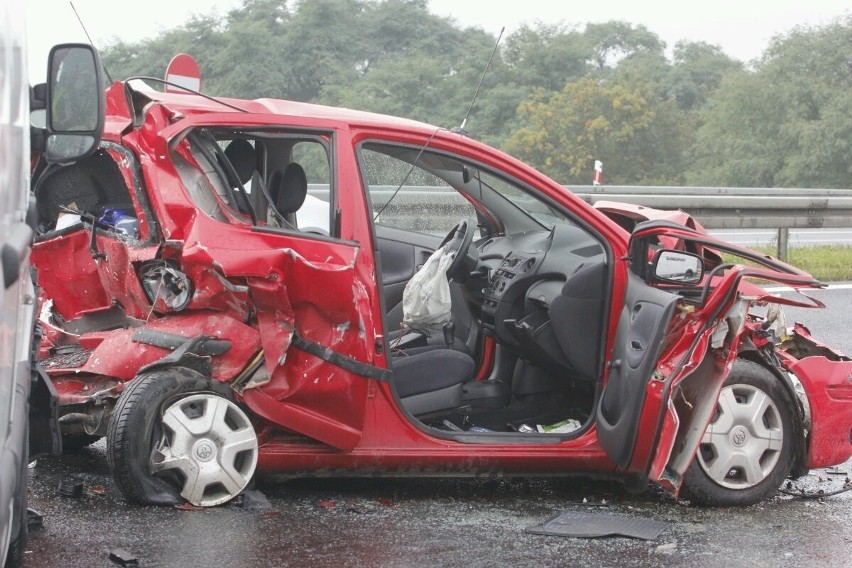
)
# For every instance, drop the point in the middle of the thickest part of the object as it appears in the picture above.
(224, 290)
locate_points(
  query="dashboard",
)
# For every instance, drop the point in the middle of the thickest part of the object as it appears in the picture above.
(527, 284)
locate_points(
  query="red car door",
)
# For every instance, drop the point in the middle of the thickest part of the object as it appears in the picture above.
(660, 342)
(311, 295)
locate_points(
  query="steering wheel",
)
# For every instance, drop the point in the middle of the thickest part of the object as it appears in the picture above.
(458, 242)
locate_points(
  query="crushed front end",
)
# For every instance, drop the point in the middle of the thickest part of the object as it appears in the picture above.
(826, 378)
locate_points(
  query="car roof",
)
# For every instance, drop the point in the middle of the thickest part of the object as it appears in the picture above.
(193, 104)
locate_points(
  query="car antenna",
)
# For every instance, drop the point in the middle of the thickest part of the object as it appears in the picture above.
(460, 129)
(85, 31)
(457, 130)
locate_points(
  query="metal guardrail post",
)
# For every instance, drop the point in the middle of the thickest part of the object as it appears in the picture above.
(783, 238)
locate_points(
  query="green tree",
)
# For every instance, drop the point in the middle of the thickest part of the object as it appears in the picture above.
(612, 42)
(697, 71)
(560, 96)
(420, 67)
(321, 46)
(546, 56)
(813, 68)
(630, 129)
(738, 144)
(245, 66)
(200, 37)
(787, 124)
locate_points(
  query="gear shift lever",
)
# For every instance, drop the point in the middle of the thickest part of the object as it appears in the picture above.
(449, 334)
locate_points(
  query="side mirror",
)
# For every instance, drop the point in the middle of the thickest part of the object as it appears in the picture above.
(75, 102)
(678, 267)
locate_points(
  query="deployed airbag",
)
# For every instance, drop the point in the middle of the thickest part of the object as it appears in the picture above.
(426, 299)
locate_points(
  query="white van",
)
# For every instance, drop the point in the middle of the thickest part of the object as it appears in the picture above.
(16, 296)
(28, 401)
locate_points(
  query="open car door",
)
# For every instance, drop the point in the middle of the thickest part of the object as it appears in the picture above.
(676, 340)
(307, 293)
(624, 402)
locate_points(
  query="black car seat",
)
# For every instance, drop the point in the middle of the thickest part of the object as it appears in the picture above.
(243, 158)
(432, 381)
(287, 191)
(89, 186)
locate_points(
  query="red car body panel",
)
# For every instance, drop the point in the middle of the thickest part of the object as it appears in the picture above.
(827, 379)
(261, 291)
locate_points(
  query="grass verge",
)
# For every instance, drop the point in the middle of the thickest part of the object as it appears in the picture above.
(825, 263)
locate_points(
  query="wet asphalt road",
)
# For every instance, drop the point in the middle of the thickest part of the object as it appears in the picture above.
(439, 522)
(428, 522)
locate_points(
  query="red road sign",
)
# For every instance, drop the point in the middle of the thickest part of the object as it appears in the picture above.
(183, 71)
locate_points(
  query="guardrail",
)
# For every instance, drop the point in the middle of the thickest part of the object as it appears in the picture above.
(781, 209)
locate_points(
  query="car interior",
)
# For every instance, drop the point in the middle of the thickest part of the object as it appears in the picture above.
(522, 350)
(89, 189)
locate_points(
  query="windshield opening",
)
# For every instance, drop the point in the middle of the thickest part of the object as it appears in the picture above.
(429, 191)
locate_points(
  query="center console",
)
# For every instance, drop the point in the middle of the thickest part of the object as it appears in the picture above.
(508, 283)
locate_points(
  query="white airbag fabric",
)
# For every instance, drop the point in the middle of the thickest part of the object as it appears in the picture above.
(426, 299)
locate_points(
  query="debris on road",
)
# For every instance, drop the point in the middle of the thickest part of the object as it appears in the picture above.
(123, 557)
(595, 525)
(254, 500)
(71, 487)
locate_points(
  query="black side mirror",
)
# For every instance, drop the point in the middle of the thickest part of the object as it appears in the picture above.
(75, 103)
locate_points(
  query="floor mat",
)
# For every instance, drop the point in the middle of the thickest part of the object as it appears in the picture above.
(593, 525)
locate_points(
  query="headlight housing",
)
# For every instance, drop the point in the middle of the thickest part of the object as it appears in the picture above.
(167, 287)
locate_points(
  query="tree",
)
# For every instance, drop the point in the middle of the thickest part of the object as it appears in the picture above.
(321, 46)
(697, 71)
(738, 144)
(201, 37)
(614, 41)
(244, 67)
(419, 66)
(546, 56)
(559, 95)
(787, 124)
(629, 129)
(812, 71)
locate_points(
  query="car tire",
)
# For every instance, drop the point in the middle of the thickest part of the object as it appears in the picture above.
(747, 449)
(178, 436)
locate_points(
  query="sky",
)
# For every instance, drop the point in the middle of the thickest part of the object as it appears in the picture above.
(742, 28)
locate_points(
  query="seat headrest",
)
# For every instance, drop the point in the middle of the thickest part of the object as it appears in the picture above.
(289, 193)
(243, 157)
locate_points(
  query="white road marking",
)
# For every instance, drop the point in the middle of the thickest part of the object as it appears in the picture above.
(829, 287)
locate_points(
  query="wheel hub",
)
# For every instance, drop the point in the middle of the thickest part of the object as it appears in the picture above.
(739, 436)
(743, 442)
(204, 450)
